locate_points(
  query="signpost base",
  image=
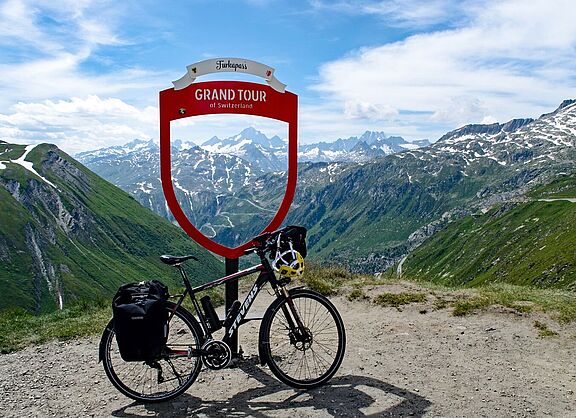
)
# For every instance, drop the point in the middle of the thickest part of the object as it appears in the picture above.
(231, 295)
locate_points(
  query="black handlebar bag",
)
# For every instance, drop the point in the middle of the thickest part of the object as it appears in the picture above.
(141, 320)
(296, 235)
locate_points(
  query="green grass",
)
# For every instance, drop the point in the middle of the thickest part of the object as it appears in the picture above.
(356, 294)
(462, 300)
(11, 151)
(399, 299)
(19, 329)
(559, 305)
(543, 330)
(529, 244)
(563, 186)
(326, 280)
(468, 306)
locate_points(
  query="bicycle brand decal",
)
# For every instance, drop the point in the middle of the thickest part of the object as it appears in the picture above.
(189, 98)
(244, 309)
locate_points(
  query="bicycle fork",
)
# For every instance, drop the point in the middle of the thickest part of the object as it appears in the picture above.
(300, 336)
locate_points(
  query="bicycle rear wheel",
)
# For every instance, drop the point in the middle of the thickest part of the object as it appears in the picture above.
(168, 376)
(308, 357)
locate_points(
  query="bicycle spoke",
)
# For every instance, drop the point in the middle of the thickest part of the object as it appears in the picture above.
(309, 356)
(171, 373)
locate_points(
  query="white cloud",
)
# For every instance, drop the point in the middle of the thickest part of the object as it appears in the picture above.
(325, 122)
(46, 94)
(71, 24)
(401, 13)
(512, 59)
(53, 41)
(460, 110)
(79, 124)
(354, 109)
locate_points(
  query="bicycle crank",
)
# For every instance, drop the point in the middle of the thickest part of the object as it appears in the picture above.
(216, 354)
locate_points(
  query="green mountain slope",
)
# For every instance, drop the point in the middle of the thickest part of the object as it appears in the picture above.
(530, 243)
(78, 237)
(371, 215)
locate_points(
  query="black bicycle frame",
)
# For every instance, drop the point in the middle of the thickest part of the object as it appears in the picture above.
(266, 275)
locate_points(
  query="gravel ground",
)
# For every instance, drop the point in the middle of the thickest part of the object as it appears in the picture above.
(398, 363)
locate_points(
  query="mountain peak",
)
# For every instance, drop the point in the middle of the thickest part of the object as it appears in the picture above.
(565, 103)
(250, 131)
(212, 141)
(254, 135)
(372, 136)
(514, 124)
(487, 129)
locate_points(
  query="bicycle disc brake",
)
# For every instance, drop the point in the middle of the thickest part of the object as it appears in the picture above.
(302, 341)
(217, 354)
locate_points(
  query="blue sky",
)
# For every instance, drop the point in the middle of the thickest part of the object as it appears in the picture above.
(85, 74)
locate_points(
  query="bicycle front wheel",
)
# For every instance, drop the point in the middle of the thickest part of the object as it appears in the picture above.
(166, 377)
(303, 339)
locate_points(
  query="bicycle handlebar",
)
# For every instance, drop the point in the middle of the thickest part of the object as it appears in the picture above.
(264, 242)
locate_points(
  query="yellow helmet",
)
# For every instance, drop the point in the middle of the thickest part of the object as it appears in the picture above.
(289, 263)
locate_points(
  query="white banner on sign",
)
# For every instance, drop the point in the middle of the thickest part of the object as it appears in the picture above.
(234, 65)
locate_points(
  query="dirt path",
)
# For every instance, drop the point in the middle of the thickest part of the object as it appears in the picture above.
(398, 363)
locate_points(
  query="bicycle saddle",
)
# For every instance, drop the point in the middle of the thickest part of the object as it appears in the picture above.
(172, 260)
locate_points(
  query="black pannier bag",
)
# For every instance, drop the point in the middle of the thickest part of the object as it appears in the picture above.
(141, 320)
(297, 236)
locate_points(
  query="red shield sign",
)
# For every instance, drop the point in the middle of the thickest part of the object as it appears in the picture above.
(226, 97)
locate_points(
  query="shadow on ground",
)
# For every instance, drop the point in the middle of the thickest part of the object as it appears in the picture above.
(348, 396)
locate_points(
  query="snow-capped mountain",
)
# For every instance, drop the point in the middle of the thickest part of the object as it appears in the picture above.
(357, 149)
(207, 178)
(519, 143)
(467, 169)
(387, 206)
(200, 177)
(268, 154)
(224, 165)
(138, 163)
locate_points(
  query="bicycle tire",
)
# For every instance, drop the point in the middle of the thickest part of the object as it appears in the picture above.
(303, 366)
(177, 371)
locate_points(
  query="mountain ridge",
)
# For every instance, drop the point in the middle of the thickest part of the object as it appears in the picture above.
(424, 190)
(369, 215)
(66, 234)
(210, 181)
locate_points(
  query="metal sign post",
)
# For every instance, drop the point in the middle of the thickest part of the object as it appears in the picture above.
(189, 98)
(231, 295)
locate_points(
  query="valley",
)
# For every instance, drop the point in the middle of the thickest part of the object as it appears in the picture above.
(67, 235)
(479, 187)
(366, 213)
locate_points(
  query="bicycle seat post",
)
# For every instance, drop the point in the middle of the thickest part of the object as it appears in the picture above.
(184, 278)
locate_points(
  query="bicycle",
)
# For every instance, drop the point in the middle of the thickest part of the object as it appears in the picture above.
(301, 338)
